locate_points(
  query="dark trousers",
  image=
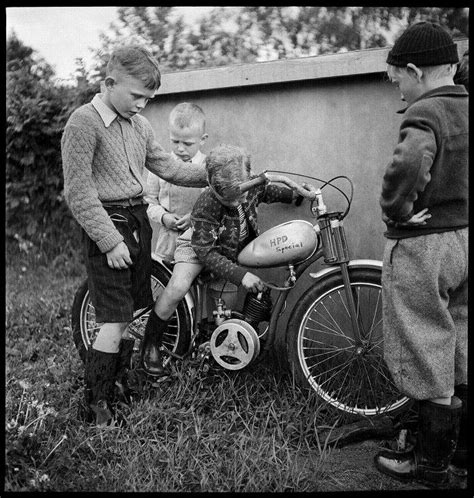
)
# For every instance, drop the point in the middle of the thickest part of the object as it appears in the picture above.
(116, 294)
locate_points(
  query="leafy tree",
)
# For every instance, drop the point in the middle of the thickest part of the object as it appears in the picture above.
(36, 113)
(154, 27)
(229, 35)
(298, 31)
(455, 19)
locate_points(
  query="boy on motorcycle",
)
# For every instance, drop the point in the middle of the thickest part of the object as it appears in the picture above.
(223, 221)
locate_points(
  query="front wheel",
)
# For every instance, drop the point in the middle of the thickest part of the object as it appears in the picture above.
(325, 356)
(85, 328)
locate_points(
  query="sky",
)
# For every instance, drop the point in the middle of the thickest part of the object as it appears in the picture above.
(62, 34)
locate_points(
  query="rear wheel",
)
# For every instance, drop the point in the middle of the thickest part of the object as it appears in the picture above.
(85, 327)
(322, 349)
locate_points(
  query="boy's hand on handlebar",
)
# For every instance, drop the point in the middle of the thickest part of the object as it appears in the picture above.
(308, 191)
(118, 258)
(252, 283)
(305, 191)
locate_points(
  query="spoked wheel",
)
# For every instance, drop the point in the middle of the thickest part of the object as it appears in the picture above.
(325, 355)
(85, 328)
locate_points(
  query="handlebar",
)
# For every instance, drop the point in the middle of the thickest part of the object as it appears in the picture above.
(259, 180)
(306, 190)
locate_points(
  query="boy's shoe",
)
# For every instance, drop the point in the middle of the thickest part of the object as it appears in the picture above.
(150, 354)
(104, 414)
(124, 392)
(428, 462)
(460, 458)
(100, 372)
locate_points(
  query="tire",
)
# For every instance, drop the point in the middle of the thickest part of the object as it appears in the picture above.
(85, 328)
(322, 353)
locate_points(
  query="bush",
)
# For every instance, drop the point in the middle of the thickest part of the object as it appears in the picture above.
(37, 112)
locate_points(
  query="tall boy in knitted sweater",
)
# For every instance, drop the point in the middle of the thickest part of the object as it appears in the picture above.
(105, 147)
(424, 205)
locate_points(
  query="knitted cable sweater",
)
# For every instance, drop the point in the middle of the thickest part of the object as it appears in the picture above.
(216, 229)
(106, 163)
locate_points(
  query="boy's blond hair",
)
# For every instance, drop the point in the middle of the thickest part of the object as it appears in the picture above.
(187, 115)
(138, 62)
(226, 166)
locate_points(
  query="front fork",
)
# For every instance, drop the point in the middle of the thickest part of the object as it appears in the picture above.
(335, 251)
(352, 306)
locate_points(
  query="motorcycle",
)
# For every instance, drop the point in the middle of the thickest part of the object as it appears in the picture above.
(334, 340)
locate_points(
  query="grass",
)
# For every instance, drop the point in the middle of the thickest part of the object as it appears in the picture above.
(240, 431)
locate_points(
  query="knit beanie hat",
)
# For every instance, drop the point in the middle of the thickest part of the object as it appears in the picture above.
(423, 44)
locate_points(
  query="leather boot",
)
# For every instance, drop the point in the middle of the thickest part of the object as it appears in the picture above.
(150, 354)
(100, 372)
(460, 456)
(125, 393)
(428, 461)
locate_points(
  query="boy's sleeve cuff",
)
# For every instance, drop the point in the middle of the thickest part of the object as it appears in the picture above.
(109, 242)
(237, 275)
(156, 212)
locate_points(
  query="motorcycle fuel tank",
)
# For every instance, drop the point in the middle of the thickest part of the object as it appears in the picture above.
(290, 242)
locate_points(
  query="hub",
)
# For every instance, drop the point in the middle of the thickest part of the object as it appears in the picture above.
(234, 344)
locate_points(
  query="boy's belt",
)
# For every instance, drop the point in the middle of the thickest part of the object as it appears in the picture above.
(134, 201)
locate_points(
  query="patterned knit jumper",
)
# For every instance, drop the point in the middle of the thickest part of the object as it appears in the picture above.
(106, 163)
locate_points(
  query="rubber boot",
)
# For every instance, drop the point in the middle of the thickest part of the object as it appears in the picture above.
(100, 373)
(428, 461)
(460, 456)
(125, 393)
(150, 354)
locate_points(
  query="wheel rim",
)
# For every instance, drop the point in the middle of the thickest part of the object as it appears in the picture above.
(350, 378)
(90, 328)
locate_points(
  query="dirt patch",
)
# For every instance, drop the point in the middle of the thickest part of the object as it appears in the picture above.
(351, 468)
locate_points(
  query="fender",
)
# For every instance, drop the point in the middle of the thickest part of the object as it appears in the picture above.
(356, 263)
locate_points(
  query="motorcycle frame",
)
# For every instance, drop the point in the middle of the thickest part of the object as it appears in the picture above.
(195, 297)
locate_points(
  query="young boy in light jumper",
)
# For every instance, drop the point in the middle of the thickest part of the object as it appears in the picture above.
(105, 147)
(170, 205)
(425, 269)
(223, 222)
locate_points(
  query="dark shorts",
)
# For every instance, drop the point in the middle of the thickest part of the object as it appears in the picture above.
(116, 294)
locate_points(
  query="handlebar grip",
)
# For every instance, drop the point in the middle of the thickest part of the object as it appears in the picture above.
(259, 180)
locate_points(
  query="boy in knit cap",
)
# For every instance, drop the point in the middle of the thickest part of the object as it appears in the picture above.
(424, 205)
(105, 147)
(170, 205)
